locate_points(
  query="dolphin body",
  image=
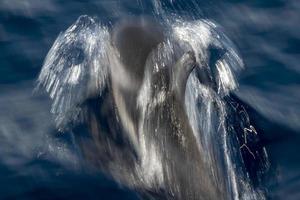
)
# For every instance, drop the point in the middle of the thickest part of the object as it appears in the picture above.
(163, 125)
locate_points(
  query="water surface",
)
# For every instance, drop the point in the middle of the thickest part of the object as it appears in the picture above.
(37, 162)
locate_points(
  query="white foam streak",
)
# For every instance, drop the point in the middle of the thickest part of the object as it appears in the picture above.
(227, 81)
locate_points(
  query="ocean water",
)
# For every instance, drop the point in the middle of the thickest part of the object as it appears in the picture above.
(38, 162)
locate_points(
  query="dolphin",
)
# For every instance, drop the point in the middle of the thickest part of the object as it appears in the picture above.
(167, 127)
(132, 40)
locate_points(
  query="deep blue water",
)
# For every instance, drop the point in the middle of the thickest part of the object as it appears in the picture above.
(37, 162)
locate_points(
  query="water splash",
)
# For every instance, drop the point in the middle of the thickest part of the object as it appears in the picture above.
(75, 68)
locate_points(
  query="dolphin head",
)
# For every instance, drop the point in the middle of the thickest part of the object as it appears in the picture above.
(135, 38)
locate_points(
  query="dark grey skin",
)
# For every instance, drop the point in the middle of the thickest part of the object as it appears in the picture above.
(133, 40)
